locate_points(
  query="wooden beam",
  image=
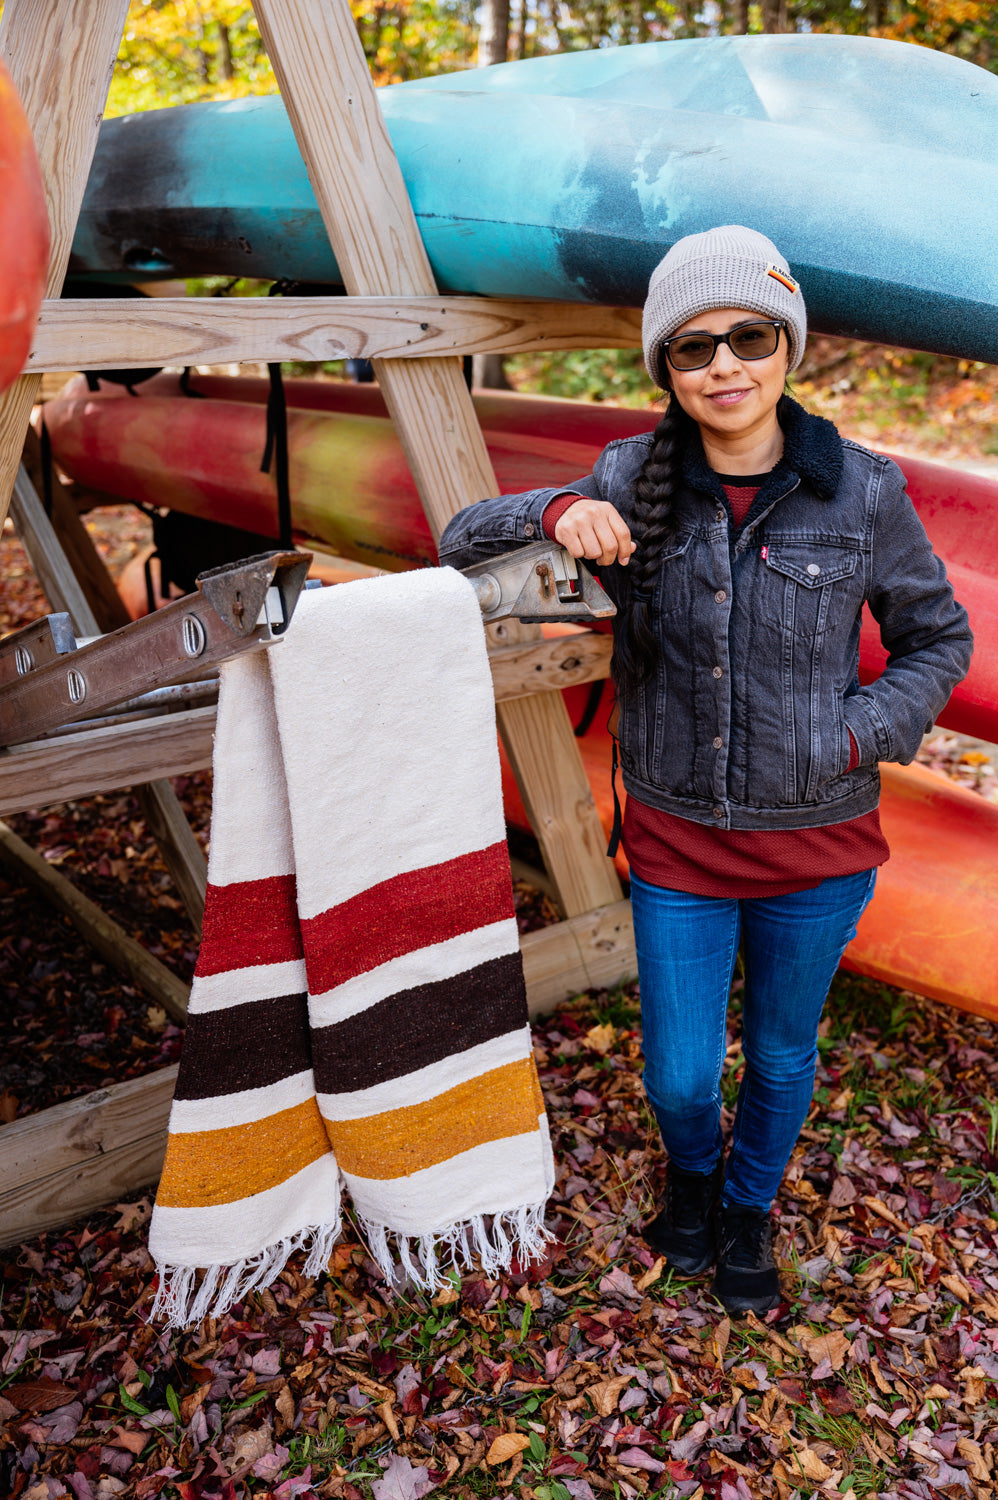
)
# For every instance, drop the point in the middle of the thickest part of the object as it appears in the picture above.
(358, 185)
(89, 761)
(76, 1157)
(592, 951)
(98, 334)
(61, 67)
(111, 941)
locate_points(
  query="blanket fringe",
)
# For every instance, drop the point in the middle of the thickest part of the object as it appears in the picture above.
(182, 1302)
(493, 1242)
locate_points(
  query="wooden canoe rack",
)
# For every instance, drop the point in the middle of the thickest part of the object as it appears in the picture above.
(74, 1157)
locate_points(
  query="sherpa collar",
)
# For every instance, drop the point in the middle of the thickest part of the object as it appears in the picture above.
(812, 451)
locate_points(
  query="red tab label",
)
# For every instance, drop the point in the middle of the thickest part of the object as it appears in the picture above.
(764, 553)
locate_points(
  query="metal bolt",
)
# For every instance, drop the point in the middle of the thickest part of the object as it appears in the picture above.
(543, 571)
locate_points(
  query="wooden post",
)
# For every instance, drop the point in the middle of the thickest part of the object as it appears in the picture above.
(61, 66)
(111, 941)
(158, 800)
(333, 108)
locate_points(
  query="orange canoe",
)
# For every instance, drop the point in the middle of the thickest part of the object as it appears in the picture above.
(932, 926)
(24, 234)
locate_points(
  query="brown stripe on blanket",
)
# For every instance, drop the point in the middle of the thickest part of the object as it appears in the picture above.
(406, 913)
(502, 1103)
(249, 922)
(207, 1167)
(244, 1047)
(419, 1026)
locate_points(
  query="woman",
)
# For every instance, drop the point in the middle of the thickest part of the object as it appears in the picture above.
(740, 541)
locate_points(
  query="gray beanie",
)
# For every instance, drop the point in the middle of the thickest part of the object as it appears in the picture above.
(727, 267)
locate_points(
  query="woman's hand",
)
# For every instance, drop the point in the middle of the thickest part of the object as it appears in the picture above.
(595, 529)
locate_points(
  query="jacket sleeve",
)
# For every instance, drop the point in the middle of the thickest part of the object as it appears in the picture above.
(925, 630)
(503, 524)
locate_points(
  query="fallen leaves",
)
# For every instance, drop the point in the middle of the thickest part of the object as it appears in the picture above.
(505, 1446)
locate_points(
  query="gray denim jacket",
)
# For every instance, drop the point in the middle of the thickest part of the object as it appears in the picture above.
(743, 723)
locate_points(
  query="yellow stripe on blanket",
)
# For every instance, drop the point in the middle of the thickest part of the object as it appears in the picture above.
(505, 1102)
(208, 1167)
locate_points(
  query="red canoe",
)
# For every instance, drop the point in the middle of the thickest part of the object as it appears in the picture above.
(353, 494)
(932, 924)
(24, 234)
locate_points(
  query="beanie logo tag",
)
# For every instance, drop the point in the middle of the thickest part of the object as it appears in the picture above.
(782, 277)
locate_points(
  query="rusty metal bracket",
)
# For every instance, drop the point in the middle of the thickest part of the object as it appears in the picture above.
(539, 584)
(24, 650)
(242, 606)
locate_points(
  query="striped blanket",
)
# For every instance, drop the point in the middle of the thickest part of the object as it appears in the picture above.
(358, 1015)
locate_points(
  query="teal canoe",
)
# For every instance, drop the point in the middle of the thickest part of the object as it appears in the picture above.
(872, 164)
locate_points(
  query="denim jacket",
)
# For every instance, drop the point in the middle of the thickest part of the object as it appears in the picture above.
(743, 723)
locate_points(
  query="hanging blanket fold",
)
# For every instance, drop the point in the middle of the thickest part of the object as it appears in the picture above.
(358, 1014)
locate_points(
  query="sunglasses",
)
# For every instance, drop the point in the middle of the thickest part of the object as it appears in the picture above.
(693, 351)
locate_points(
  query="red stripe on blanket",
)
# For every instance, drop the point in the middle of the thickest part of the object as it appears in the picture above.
(406, 913)
(249, 922)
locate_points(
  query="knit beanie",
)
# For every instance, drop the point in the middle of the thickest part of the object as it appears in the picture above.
(727, 267)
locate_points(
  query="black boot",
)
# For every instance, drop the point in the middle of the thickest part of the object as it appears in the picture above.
(685, 1232)
(746, 1279)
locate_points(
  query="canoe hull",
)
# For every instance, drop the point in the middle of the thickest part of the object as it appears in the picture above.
(886, 212)
(24, 234)
(352, 492)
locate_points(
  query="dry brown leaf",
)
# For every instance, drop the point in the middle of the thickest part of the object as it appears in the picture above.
(883, 1212)
(388, 1417)
(722, 1334)
(651, 1275)
(605, 1394)
(811, 1466)
(134, 1441)
(446, 1295)
(958, 1287)
(34, 1396)
(600, 1038)
(971, 1451)
(249, 1446)
(818, 1346)
(285, 1404)
(505, 1446)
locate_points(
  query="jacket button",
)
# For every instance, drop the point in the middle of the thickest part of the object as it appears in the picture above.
(718, 671)
(718, 743)
(813, 569)
(528, 530)
(718, 812)
(719, 515)
(720, 596)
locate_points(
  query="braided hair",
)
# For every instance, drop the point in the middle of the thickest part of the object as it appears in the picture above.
(635, 649)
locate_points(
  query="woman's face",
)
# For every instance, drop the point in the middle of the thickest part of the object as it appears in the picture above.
(731, 397)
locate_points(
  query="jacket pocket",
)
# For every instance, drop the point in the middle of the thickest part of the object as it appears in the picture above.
(808, 583)
(672, 584)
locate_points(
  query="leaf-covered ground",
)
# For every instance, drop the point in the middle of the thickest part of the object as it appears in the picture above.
(592, 1374)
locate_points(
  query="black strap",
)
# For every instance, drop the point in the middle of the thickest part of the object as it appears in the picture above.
(186, 389)
(592, 707)
(276, 451)
(46, 449)
(614, 843)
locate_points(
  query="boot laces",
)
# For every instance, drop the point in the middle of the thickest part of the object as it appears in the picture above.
(746, 1238)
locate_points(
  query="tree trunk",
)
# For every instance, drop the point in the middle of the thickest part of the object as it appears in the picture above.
(739, 17)
(223, 60)
(493, 37)
(771, 15)
(493, 46)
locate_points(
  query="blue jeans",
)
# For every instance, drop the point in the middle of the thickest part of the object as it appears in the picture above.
(686, 948)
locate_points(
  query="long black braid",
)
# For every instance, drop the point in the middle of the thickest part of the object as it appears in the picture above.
(635, 648)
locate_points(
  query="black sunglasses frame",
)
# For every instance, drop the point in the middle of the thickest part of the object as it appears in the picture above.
(723, 338)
